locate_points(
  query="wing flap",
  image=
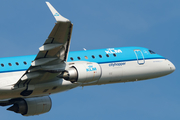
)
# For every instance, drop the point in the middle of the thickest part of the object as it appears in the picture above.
(49, 47)
(31, 75)
(60, 36)
(42, 61)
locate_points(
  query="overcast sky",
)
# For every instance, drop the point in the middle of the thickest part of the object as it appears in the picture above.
(154, 24)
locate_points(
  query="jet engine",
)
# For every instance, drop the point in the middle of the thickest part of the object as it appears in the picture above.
(82, 72)
(31, 106)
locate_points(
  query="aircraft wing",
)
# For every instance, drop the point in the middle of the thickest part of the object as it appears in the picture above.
(52, 54)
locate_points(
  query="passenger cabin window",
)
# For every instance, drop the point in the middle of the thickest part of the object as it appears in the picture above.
(152, 52)
(25, 63)
(2, 65)
(17, 63)
(71, 58)
(100, 56)
(79, 58)
(9, 64)
(86, 57)
(107, 55)
(93, 56)
(114, 54)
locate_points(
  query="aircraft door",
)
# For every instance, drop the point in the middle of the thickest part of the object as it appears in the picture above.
(139, 56)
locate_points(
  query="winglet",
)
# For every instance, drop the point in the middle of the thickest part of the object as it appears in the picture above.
(56, 15)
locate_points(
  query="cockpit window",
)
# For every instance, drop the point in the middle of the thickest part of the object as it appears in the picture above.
(152, 52)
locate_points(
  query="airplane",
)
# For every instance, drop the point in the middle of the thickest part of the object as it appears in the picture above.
(26, 82)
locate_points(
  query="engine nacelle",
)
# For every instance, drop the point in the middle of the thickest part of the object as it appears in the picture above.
(83, 72)
(31, 106)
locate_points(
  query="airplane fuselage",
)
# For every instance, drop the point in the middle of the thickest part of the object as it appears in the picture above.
(111, 65)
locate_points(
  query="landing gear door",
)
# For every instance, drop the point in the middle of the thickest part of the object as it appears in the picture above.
(139, 56)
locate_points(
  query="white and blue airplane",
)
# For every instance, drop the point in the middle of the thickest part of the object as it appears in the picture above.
(27, 81)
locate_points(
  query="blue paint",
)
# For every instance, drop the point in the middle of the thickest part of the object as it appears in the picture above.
(56, 14)
(122, 54)
(91, 68)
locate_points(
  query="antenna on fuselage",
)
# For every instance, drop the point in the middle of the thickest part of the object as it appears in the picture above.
(84, 49)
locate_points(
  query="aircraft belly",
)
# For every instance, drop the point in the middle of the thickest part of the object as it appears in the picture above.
(151, 69)
(40, 89)
(53, 87)
(132, 71)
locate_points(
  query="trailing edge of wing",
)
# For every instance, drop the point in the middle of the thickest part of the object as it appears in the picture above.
(56, 15)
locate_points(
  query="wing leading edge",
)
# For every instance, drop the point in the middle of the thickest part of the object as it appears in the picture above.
(52, 54)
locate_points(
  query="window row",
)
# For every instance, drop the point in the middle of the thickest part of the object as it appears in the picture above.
(100, 56)
(10, 64)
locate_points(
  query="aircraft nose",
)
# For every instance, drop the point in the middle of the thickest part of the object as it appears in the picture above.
(172, 67)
